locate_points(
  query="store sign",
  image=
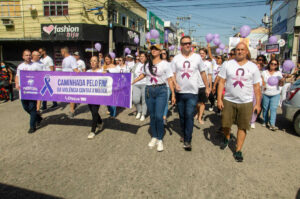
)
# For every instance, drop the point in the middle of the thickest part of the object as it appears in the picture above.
(61, 31)
(272, 48)
(156, 23)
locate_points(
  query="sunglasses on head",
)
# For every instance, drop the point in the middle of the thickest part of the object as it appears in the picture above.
(186, 43)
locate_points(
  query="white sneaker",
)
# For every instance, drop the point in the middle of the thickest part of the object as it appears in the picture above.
(253, 125)
(210, 109)
(142, 118)
(91, 135)
(138, 116)
(160, 146)
(152, 143)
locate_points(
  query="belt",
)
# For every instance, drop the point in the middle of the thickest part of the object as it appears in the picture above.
(157, 85)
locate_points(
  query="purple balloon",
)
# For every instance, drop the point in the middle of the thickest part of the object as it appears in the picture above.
(127, 50)
(148, 36)
(216, 36)
(245, 31)
(112, 54)
(98, 46)
(273, 81)
(273, 40)
(154, 34)
(136, 40)
(288, 65)
(209, 37)
(136, 54)
(217, 41)
(222, 46)
(218, 51)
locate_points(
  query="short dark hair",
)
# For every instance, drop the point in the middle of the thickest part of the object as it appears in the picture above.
(43, 49)
(26, 50)
(65, 48)
(203, 49)
(268, 67)
(185, 37)
(263, 57)
(234, 49)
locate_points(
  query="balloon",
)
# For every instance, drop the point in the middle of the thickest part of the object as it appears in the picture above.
(148, 36)
(127, 50)
(216, 41)
(245, 31)
(136, 54)
(273, 81)
(154, 34)
(216, 36)
(98, 46)
(209, 37)
(218, 51)
(112, 54)
(273, 40)
(222, 46)
(136, 40)
(288, 65)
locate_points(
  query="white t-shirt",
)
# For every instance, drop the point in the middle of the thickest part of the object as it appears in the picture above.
(239, 81)
(123, 69)
(47, 61)
(130, 65)
(187, 72)
(81, 65)
(39, 65)
(271, 90)
(97, 71)
(208, 71)
(216, 70)
(137, 72)
(162, 71)
(114, 70)
(69, 64)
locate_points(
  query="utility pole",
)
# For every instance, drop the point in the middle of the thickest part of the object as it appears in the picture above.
(271, 20)
(188, 18)
(109, 21)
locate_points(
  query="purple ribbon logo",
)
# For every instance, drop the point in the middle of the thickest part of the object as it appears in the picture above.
(153, 78)
(239, 78)
(47, 86)
(186, 70)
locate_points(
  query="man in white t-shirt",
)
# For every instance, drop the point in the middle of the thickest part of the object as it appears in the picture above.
(69, 64)
(48, 66)
(186, 67)
(80, 62)
(29, 105)
(242, 78)
(129, 62)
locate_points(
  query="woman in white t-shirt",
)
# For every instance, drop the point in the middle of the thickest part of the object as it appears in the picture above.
(157, 72)
(94, 108)
(138, 94)
(271, 94)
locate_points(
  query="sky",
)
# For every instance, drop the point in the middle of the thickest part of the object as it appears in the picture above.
(211, 16)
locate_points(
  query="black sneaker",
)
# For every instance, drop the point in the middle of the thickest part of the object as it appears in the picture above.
(54, 106)
(31, 130)
(238, 156)
(224, 143)
(187, 146)
(38, 121)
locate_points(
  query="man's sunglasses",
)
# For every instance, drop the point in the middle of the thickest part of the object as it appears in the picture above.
(187, 43)
(231, 54)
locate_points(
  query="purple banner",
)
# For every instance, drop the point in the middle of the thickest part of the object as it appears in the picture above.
(112, 89)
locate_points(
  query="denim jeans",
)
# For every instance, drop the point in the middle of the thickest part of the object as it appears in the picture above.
(270, 103)
(30, 107)
(186, 107)
(156, 98)
(167, 103)
(112, 110)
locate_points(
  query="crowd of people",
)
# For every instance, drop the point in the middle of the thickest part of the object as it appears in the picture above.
(188, 79)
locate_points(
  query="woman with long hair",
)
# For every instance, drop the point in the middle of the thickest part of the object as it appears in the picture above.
(138, 94)
(96, 121)
(157, 72)
(271, 93)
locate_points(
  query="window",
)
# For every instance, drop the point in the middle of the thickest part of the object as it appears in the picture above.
(115, 16)
(124, 20)
(56, 8)
(10, 8)
(132, 24)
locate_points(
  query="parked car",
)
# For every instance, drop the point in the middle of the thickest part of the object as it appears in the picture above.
(291, 106)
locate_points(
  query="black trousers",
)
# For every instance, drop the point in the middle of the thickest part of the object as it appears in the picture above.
(95, 115)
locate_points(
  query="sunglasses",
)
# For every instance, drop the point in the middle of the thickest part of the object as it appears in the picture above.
(187, 43)
(163, 53)
(231, 54)
(274, 64)
(260, 60)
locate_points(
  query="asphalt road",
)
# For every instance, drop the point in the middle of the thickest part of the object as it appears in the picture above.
(58, 161)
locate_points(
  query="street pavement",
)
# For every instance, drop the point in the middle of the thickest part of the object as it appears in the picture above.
(58, 161)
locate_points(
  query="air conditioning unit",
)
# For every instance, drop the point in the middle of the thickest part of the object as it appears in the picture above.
(7, 22)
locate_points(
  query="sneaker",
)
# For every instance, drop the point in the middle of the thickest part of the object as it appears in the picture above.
(253, 125)
(152, 143)
(187, 146)
(91, 135)
(142, 118)
(238, 156)
(138, 116)
(38, 122)
(71, 115)
(160, 146)
(100, 126)
(210, 109)
(263, 124)
(31, 130)
(224, 144)
(54, 106)
(273, 128)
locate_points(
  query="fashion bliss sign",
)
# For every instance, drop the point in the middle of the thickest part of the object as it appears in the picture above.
(87, 88)
(61, 31)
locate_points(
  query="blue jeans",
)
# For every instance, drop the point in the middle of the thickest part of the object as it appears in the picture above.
(270, 103)
(167, 103)
(112, 110)
(30, 107)
(186, 107)
(156, 98)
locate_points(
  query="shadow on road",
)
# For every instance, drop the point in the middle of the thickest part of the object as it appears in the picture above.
(285, 125)
(12, 192)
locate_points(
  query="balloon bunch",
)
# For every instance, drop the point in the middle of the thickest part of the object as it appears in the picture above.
(98, 47)
(127, 51)
(172, 47)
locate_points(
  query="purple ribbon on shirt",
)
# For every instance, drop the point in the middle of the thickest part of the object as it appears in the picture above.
(153, 78)
(239, 78)
(186, 70)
